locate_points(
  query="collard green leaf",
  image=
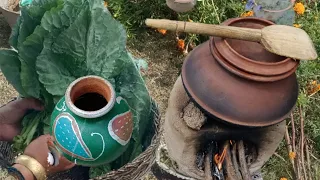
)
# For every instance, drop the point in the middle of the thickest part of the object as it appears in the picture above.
(39, 7)
(106, 52)
(10, 67)
(29, 81)
(27, 26)
(29, 44)
(72, 43)
(13, 41)
(52, 72)
(132, 87)
(31, 16)
(28, 54)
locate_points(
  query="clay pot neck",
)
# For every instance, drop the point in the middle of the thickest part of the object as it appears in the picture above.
(90, 97)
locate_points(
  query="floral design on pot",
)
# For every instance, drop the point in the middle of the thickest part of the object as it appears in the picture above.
(91, 124)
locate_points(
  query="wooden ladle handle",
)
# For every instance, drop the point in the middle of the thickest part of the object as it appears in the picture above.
(206, 29)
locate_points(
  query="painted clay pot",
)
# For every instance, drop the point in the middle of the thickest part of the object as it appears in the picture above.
(239, 82)
(91, 124)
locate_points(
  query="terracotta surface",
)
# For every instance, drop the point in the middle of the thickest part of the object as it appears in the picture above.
(239, 82)
(91, 85)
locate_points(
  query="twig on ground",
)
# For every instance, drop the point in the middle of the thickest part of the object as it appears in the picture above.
(308, 161)
(302, 143)
(293, 134)
(298, 161)
(280, 157)
(314, 157)
(289, 147)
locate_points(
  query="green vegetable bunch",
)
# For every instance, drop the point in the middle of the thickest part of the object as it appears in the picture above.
(57, 41)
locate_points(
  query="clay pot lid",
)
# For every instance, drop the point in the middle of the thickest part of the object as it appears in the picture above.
(251, 57)
(236, 93)
(242, 73)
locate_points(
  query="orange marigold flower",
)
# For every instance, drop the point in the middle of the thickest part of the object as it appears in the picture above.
(292, 155)
(297, 25)
(283, 178)
(247, 14)
(105, 4)
(181, 44)
(313, 88)
(162, 31)
(299, 8)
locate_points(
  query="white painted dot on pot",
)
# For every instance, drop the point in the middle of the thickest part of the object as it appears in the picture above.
(50, 159)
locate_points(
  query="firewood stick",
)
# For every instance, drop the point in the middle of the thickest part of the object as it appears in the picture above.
(207, 168)
(235, 161)
(308, 161)
(289, 148)
(302, 143)
(229, 167)
(242, 160)
(293, 134)
(298, 161)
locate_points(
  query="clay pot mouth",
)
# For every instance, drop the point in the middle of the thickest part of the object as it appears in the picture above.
(252, 57)
(90, 97)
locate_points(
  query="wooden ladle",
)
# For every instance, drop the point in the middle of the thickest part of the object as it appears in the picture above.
(279, 39)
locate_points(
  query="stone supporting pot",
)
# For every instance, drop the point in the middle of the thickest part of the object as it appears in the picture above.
(91, 124)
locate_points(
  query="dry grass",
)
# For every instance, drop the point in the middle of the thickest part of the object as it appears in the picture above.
(164, 63)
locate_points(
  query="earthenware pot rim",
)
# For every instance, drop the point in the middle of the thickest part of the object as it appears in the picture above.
(90, 114)
(245, 74)
(247, 64)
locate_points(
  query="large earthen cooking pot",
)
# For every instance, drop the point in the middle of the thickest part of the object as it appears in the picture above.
(239, 82)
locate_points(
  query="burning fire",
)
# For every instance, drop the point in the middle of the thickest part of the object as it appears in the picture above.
(218, 159)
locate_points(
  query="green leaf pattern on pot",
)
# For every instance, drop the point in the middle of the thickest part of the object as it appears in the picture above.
(68, 136)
